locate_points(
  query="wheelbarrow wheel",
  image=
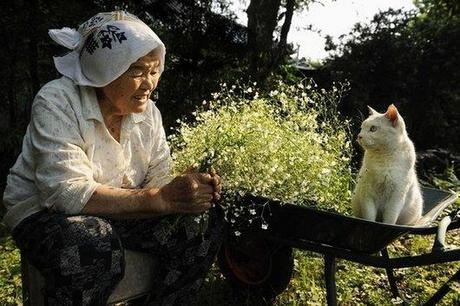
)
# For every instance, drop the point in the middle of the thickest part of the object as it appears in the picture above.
(255, 267)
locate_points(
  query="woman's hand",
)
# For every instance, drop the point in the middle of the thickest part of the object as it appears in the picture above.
(192, 192)
(217, 184)
(187, 193)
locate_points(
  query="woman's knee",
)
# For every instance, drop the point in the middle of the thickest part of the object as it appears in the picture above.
(89, 230)
(88, 242)
(75, 253)
(49, 238)
(85, 247)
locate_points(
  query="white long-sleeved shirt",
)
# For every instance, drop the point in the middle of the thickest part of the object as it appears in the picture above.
(68, 152)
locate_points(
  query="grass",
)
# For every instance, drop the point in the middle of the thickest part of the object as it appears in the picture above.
(10, 273)
(356, 284)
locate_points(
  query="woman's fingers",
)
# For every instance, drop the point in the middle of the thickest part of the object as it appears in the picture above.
(211, 184)
(205, 178)
(198, 207)
(204, 197)
(216, 181)
(217, 187)
(191, 169)
(211, 179)
(206, 206)
(195, 191)
(204, 189)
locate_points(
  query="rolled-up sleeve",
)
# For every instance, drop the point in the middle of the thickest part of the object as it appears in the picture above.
(63, 172)
(159, 170)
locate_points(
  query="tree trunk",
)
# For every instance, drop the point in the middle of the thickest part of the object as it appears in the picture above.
(262, 20)
(285, 29)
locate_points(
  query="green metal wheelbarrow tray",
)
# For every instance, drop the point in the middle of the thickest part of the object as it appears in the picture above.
(260, 262)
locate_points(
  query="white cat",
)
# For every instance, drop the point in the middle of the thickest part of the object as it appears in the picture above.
(387, 188)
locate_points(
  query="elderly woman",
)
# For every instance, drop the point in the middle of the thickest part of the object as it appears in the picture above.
(93, 177)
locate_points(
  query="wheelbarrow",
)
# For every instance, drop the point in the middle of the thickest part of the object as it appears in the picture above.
(260, 262)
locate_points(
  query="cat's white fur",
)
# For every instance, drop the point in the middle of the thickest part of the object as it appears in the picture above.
(387, 188)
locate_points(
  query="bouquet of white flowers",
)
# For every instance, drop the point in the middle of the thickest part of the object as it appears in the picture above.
(289, 144)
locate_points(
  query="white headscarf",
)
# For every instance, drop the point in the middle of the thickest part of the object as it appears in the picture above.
(104, 47)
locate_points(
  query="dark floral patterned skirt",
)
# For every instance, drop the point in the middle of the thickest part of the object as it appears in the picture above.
(81, 257)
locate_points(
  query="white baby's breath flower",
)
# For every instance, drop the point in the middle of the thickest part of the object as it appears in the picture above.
(272, 148)
(273, 93)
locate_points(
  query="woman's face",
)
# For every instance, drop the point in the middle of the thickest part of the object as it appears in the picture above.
(130, 92)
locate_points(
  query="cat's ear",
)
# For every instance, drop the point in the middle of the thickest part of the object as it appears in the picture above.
(392, 114)
(372, 111)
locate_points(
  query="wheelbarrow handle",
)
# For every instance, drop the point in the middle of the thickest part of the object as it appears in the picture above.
(439, 244)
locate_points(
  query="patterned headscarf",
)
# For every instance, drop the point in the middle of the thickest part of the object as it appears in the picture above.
(104, 47)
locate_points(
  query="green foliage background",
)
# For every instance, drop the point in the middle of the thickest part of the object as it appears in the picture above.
(410, 59)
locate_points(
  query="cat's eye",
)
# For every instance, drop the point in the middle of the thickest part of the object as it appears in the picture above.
(373, 128)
